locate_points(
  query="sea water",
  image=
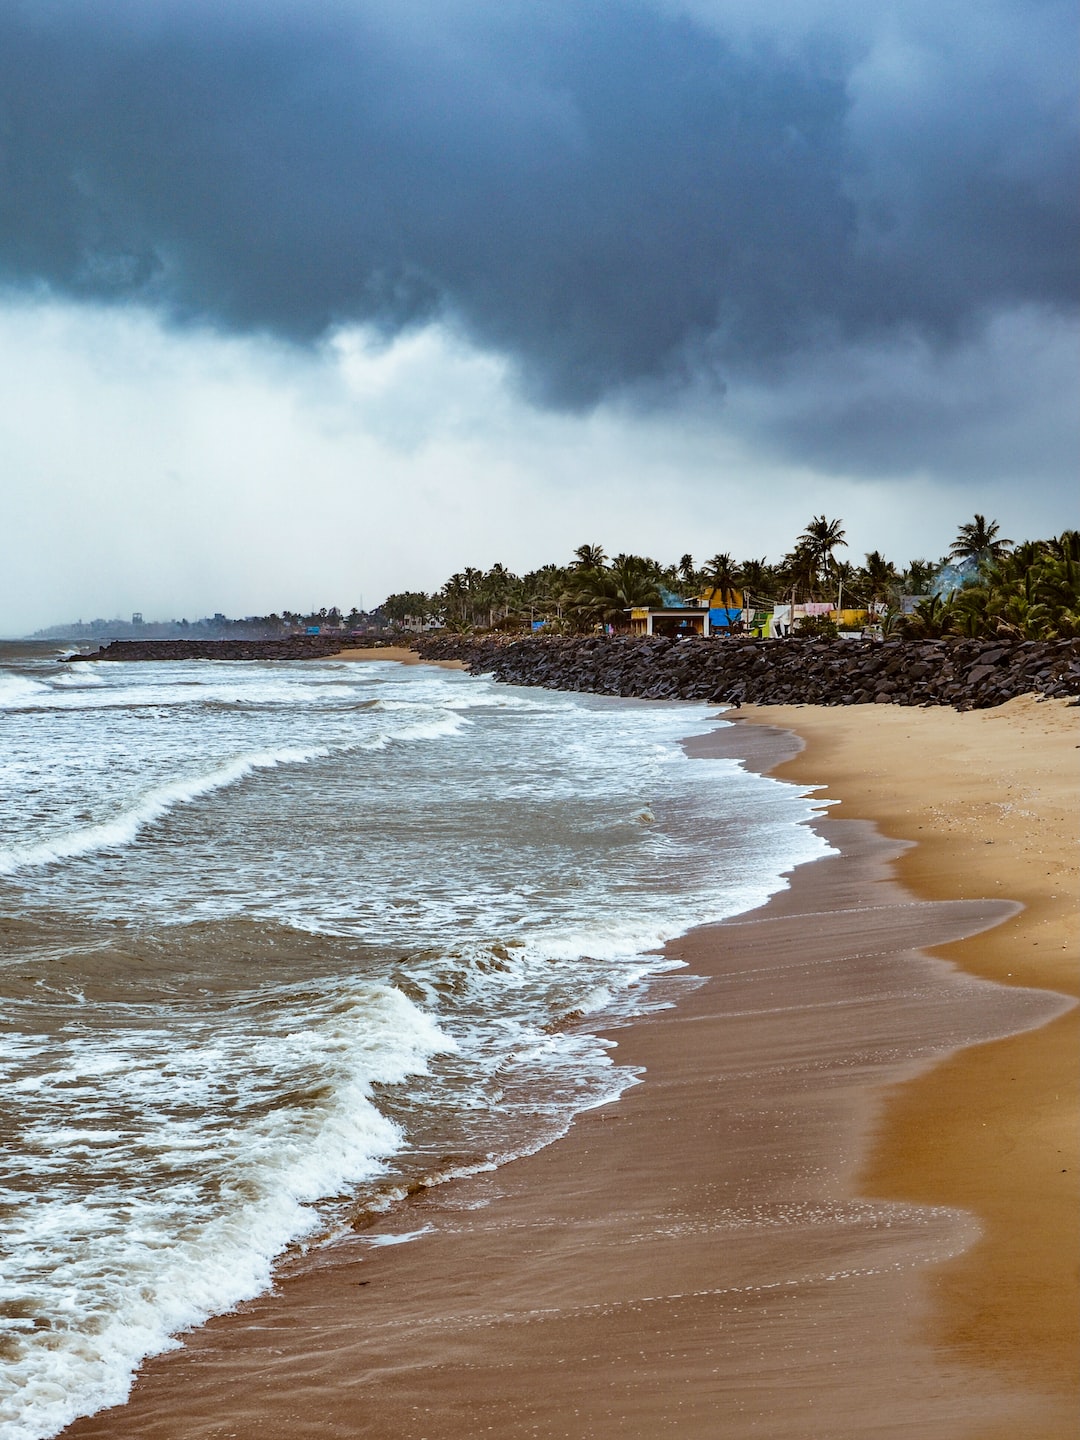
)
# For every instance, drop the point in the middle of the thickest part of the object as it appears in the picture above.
(278, 941)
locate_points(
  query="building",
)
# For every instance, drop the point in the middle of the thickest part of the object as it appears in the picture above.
(675, 621)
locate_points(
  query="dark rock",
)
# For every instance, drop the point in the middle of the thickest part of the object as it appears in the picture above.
(737, 670)
(292, 647)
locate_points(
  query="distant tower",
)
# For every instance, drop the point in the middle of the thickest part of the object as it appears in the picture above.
(136, 619)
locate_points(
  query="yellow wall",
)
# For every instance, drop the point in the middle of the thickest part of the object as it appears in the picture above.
(722, 599)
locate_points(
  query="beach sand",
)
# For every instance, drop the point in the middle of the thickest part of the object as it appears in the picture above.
(401, 653)
(804, 1222)
(992, 800)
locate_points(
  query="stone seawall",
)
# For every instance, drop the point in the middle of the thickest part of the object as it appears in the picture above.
(966, 674)
(292, 647)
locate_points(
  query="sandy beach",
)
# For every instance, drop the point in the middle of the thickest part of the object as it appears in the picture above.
(989, 800)
(401, 653)
(841, 1203)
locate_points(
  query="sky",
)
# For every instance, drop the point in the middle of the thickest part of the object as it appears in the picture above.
(306, 301)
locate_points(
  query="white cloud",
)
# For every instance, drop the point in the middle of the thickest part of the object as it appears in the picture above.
(181, 472)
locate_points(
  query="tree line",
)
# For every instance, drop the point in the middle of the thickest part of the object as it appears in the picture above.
(1029, 590)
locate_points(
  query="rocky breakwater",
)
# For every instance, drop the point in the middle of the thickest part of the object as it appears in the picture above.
(966, 674)
(291, 647)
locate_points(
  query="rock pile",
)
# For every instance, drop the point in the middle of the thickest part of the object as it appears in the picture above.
(966, 674)
(292, 647)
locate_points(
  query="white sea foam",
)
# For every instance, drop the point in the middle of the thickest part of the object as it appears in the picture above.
(17, 691)
(123, 829)
(141, 1265)
(440, 726)
(78, 677)
(119, 686)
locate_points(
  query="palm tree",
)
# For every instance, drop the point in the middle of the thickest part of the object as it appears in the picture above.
(1054, 587)
(635, 578)
(1065, 546)
(721, 574)
(496, 591)
(589, 557)
(1031, 592)
(880, 575)
(917, 576)
(455, 595)
(407, 604)
(600, 595)
(821, 537)
(757, 577)
(979, 540)
(800, 569)
(687, 574)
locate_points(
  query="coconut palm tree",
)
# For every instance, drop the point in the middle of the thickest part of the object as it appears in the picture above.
(1055, 589)
(589, 557)
(846, 577)
(880, 575)
(979, 540)
(409, 603)
(636, 579)
(497, 592)
(916, 578)
(1065, 546)
(800, 569)
(758, 577)
(455, 597)
(721, 574)
(822, 537)
(601, 595)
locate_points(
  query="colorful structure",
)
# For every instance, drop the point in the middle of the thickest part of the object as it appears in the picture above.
(671, 620)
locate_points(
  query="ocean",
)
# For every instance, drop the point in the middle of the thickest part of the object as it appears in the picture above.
(280, 942)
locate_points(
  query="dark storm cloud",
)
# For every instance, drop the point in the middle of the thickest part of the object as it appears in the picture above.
(612, 194)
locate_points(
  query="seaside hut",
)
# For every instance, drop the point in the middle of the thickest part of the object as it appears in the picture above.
(672, 620)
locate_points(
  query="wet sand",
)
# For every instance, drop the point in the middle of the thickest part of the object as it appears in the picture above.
(758, 1240)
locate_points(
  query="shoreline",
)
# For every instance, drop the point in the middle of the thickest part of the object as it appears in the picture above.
(422, 1356)
(994, 1128)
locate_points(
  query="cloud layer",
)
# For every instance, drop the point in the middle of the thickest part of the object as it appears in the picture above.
(459, 281)
(617, 197)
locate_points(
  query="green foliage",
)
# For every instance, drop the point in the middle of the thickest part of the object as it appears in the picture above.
(721, 573)
(1031, 592)
(980, 540)
(759, 578)
(930, 621)
(917, 577)
(408, 604)
(800, 571)
(1027, 591)
(818, 541)
(880, 575)
(603, 595)
(816, 627)
(589, 557)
